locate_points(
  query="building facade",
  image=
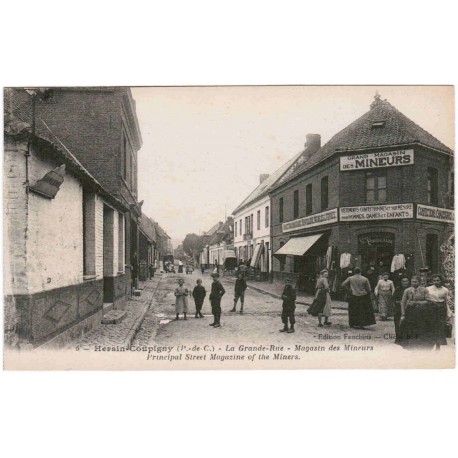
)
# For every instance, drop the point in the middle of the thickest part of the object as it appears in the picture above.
(379, 194)
(63, 237)
(252, 218)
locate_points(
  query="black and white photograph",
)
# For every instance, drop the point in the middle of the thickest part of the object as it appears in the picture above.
(228, 227)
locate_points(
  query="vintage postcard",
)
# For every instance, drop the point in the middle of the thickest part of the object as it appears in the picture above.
(229, 227)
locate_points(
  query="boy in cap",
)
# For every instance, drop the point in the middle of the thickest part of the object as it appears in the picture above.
(289, 306)
(216, 294)
(239, 292)
(199, 293)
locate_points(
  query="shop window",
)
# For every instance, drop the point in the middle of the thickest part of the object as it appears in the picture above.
(324, 193)
(267, 217)
(282, 259)
(296, 205)
(308, 199)
(432, 252)
(258, 220)
(432, 186)
(376, 186)
(280, 209)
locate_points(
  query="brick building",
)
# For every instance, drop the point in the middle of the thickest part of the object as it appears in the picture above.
(64, 233)
(100, 127)
(378, 194)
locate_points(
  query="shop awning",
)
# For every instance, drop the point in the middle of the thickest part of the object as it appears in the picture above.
(298, 246)
(229, 254)
(257, 255)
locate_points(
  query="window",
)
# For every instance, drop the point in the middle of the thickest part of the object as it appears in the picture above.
(251, 223)
(296, 205)
(452, 190)
(280, 210)
(240, 226)
(235, 228)
(124, 157)
(376, 186)
(258, 220)
(432, 186)
(308, 199)
(432, 252)
(282, 259)
(324, 193)
(267, 217)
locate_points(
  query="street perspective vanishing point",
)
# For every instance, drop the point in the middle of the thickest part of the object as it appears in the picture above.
(242, 227)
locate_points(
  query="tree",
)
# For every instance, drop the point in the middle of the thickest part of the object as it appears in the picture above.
(192, 245)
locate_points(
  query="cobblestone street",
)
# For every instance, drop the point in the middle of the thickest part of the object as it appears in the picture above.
(260, 322)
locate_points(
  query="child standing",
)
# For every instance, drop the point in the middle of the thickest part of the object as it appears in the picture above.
(181, 303)
(239, 291)
(199, 293)
(289, 306)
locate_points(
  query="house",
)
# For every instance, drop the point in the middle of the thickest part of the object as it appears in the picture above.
(100, 127)
(147, 246)
(221, 246)
(252, 218)
(64, 233)
(378, 194)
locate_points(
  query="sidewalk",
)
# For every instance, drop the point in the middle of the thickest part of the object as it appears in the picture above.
(276, 288)
(123, 333)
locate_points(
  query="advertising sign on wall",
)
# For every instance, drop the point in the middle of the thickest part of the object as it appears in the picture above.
(376, 212)
(435, 214)
(376, 160)
(327, 217)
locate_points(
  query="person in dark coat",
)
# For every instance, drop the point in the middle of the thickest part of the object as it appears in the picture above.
(397, 298)
(289, 306)
(239, 292)
(199, 293)
(216, 294)
(360, 311)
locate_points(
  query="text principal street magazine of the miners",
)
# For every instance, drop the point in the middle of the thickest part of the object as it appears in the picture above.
(228, 227)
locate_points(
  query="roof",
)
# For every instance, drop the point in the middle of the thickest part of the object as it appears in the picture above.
(263, 188)
(223, 232)
(214, 229)
(148, 228)
(395, 129)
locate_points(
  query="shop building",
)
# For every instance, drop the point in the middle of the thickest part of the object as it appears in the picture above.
(252, 218)
(379, 194)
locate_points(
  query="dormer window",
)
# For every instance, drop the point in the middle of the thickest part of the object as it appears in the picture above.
(376, 124)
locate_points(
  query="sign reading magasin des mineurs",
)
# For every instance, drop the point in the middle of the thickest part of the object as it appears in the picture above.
(376, 160)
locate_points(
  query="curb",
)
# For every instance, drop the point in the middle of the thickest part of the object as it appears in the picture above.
(276, 296)
(136, 326)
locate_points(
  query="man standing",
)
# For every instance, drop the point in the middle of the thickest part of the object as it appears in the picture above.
(289, 306)
(216, 294)
(239, 292)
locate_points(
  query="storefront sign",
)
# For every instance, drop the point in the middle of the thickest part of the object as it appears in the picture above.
(435, 214)
(319, 219)
(376, 212)
(376, 239)
(376, 160)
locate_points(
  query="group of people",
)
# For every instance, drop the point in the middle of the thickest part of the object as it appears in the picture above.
(422, 315)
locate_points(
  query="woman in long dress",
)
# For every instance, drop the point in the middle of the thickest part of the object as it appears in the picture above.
(321, 306)
(384, 293)
(181, 302)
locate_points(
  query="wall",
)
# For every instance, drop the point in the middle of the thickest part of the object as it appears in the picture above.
(14, 217)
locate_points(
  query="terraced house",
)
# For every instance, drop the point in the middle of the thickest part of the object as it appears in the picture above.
(378, 194)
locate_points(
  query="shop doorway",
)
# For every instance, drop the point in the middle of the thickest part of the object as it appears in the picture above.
(377, 251)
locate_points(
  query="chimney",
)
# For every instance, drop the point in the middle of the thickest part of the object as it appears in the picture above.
(312, 144)
(263, 177)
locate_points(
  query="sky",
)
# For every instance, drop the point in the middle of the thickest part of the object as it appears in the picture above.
(205, 147)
